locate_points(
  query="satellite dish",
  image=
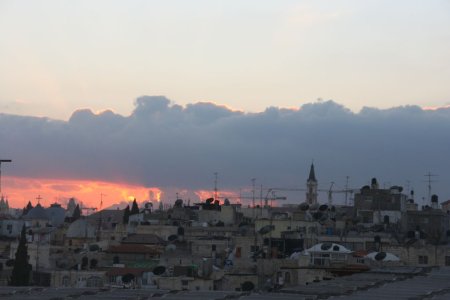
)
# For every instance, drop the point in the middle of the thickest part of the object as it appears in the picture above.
(248, 286)
(380, 256)
(159, 270)
(266, 229)
(304, 206)
(323, 207)
(326, 246)
(172, 237)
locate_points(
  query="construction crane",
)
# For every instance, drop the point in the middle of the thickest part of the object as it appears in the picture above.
(330, 194)
(270, 196)
(2, 161)
(329, 191)
(346, 191)
(274, 197)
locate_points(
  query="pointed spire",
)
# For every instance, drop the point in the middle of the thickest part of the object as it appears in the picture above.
(312, 174)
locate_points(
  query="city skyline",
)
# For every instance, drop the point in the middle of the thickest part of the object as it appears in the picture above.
(167, 148)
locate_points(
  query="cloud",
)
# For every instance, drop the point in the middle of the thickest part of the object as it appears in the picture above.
(165, 145)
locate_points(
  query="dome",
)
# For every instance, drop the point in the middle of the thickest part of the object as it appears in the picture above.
(80, 229)
(56, 214)
(382, 256)
(329, 247)
(37, 213)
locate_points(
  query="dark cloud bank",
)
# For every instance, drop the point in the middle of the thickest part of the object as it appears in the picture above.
(167, 145)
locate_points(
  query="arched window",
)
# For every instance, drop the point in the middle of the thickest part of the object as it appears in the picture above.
(93, 263)
(287, 277)
(94, 281)
(65, 281)
(386, 219)
(84, 263)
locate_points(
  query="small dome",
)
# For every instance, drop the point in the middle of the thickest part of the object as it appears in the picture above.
(80, 229)
(56, 214)
(37, 213)
(328, 247)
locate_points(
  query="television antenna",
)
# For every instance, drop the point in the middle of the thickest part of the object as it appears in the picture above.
(2, 161)
(429, 180)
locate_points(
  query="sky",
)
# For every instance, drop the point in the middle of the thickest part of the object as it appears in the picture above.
(158, 95)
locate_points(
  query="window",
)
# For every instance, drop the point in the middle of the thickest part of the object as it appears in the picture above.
(65, 281)
(287, 277)
(238, 252)
(93, 263)
(254, 248)
(84, 263)
(447, 260)
(423, 260)
(184, 282)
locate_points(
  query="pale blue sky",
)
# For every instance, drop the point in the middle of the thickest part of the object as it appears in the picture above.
(58, 56)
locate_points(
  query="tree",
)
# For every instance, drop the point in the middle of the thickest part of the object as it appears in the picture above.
(76, 213)
(21, 271)
(126, 215)
(134, 208)
(27, 208)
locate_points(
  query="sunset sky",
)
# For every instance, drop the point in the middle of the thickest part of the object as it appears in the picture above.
(242, 81)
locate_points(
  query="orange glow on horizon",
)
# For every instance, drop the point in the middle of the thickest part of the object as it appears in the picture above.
(19, 191)
(205, 194)
(435, 107)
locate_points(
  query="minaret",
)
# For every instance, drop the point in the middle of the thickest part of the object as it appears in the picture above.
(311, 187)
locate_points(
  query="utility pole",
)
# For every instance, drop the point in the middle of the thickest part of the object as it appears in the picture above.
(330, 194)
(100, 221)
(2, 161)
(346, 189)
(101, 200)
(216, 191)
(253, 192)
(429, 175)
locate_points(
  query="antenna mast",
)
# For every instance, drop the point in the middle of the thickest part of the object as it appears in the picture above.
(101, 200)
(216, 191)
(330, 194)
(346, 189)
(2, 161)
(429, 175)
(253, 192)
